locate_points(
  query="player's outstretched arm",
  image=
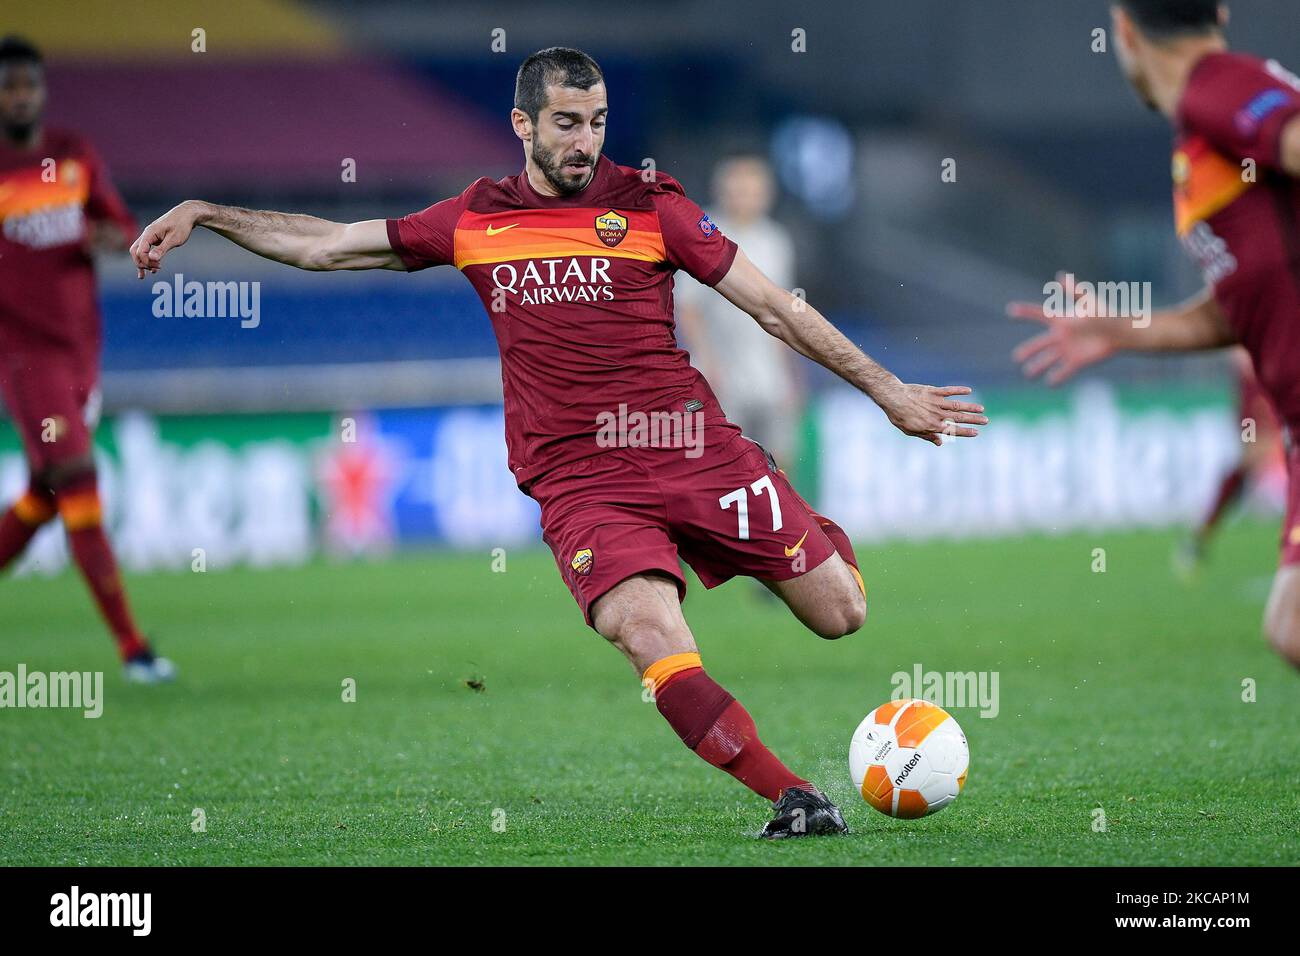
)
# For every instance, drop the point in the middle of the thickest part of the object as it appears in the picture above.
(924, 411)
(302, 241)
(1073, 343)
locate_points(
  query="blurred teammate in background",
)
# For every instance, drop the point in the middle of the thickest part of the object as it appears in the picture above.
(59, 208)
(1261, 448)
(1236, 191)
(573, 259)
(754, 375)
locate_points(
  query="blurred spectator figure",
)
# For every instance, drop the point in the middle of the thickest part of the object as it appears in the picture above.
(753, 374)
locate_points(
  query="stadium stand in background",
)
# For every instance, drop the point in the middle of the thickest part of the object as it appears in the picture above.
(914, 269)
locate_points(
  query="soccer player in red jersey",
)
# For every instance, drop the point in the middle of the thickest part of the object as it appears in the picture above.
(608, 426)
(1236, 184)
(58, 207)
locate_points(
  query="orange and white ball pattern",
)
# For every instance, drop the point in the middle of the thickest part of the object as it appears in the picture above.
(909, 758)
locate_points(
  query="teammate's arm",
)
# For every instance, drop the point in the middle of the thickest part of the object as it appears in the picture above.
(1071, 344)
(302, 241)
(923, 411)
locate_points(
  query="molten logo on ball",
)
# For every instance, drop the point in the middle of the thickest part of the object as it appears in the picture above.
(909, 758)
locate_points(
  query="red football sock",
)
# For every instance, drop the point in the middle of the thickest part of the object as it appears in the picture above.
(79, 506)
(20, 523)
(714, 724)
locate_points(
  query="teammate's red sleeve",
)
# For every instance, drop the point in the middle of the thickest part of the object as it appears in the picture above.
(427, 238)
(1240, 105)
(104, 203)
(691, 240)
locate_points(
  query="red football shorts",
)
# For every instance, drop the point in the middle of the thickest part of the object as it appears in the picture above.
(53, 402)
(627, 511)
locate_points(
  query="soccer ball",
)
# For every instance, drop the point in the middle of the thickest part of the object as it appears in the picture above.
(909, 758)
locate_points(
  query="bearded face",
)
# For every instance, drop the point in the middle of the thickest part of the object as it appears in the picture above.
(567, 170)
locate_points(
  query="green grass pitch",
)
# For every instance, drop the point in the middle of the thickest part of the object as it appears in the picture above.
(1120, 690)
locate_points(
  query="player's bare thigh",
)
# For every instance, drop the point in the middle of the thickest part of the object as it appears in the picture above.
(827, 600)
(642, 617)
(1282, 614)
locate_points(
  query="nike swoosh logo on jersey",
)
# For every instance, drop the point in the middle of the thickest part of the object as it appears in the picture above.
(492, 230)
(791, 552)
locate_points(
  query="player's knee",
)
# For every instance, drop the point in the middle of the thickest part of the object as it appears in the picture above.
(639, 629)
(843, 615)
(1283, 632)
(646, 638)
(857, 615)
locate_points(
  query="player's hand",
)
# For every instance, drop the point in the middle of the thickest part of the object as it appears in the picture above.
(162, 235)
(929, 412)
(1070, 343)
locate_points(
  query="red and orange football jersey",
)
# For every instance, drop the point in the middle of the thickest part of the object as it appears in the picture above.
(1238, 212)
(580, 293)
(48, 196)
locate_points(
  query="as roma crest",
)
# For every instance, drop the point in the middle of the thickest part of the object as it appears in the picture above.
(581, 562)
(611, 227)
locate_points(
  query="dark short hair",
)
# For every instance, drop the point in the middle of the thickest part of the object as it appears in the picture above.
(554, 66)
(1165, 19)
(15, 49)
